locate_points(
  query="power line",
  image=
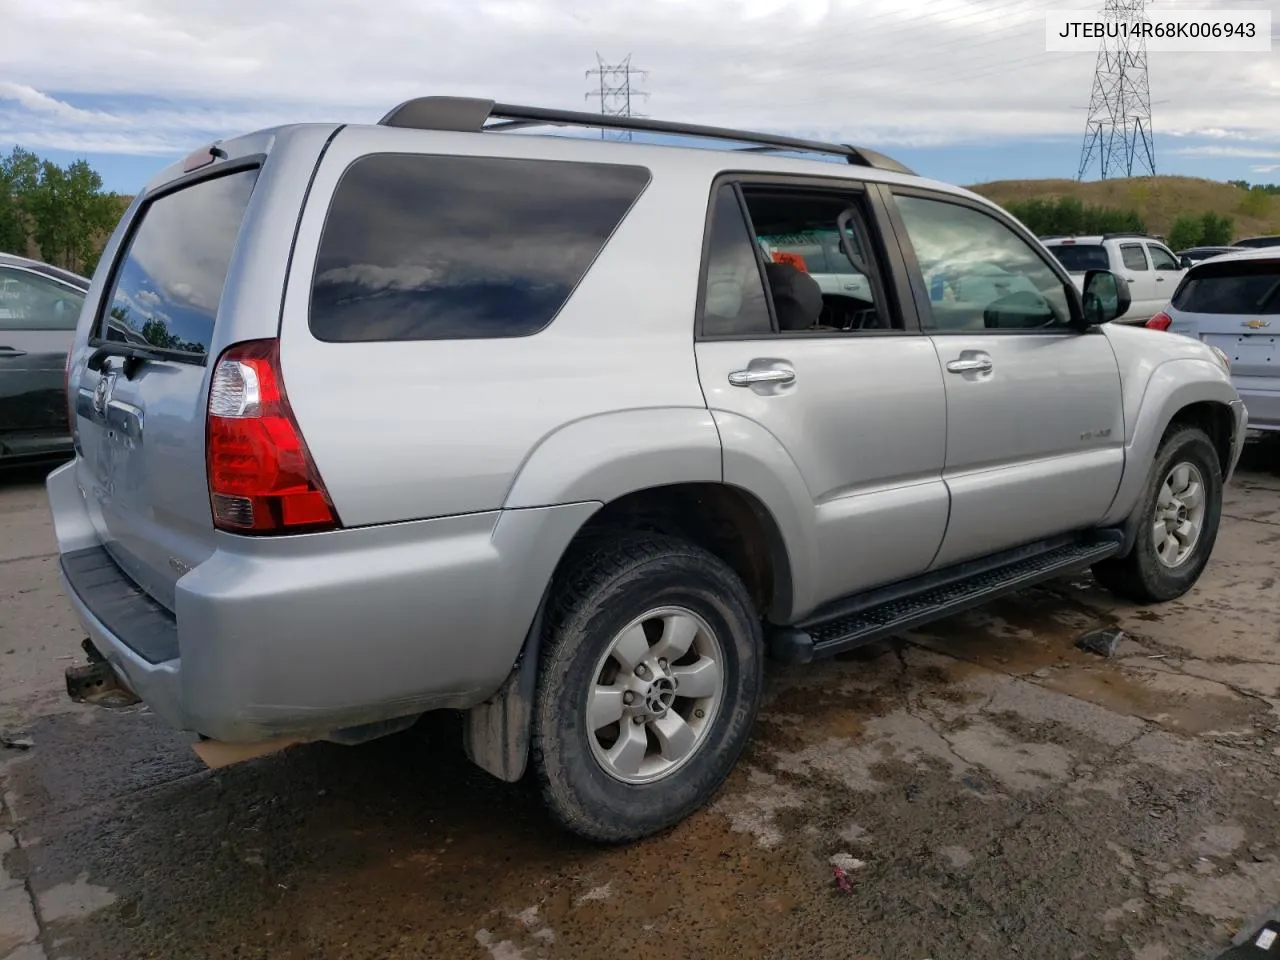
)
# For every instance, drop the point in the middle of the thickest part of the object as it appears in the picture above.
(615, 91)
(1118, 131)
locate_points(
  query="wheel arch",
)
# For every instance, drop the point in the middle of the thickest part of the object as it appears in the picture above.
(730, 522)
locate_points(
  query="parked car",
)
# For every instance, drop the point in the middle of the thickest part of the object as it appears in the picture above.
(432, 417)
(1196, 254)
(1259, 242)
(1233, 303)
(39, 307)
(1148, 266)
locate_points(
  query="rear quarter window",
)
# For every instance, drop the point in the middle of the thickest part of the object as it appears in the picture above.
(435, 248)
(1231, 288)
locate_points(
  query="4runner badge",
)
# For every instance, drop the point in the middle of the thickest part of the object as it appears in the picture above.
(1257, 324)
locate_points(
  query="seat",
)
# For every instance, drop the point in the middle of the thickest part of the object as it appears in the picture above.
(797, 298)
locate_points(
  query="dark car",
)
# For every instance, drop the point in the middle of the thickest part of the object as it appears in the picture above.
(1268, 241)
(1196, 254)
(39, 307)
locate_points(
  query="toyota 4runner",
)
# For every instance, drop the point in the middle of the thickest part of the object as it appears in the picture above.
(377, 420)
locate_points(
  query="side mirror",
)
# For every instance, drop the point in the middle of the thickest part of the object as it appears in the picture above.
(1105, 296)
(1185, 263)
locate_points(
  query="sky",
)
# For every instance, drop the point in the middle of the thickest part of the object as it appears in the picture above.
(961, 90)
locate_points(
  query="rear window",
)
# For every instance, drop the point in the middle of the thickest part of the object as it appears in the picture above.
(1231, 288)
(434, 248)
(1081, 257)
(169, 281)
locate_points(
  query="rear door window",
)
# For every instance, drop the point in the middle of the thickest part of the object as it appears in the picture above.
(1231, 288)
(168, 284)
(1134, 257)
(435, 248)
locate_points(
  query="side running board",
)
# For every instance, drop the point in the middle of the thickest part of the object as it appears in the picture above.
(885, 612)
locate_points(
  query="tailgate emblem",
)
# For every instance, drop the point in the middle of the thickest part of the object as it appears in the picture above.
(102, 393)
(1257, 324)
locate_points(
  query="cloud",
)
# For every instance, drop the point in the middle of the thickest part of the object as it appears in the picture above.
(155, 77)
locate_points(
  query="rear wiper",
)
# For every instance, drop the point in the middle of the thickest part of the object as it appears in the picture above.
(136, 353)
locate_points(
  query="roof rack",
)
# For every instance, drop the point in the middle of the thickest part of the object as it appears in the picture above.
(472, 115)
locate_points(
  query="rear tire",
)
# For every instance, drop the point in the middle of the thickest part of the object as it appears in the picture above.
(649, 684)
(1179, 515)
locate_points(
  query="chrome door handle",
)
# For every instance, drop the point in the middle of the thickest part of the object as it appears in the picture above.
(745, 378)
(12, 352)
(976, 365)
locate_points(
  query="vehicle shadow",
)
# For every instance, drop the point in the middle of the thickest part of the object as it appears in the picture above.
(27, 474)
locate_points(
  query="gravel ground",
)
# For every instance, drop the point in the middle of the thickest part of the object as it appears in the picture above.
(989, 790)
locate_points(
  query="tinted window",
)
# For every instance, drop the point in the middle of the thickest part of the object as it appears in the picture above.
(1232, 288)
(1162, 259)
(1259, 242)
(169, 282)
(29, 301)
(733, 296)
(431, 248)
(1133, 256)
(1080, 258)
(979, 273)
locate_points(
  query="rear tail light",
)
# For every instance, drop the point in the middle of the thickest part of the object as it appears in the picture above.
(1160, 321)
(261, 476)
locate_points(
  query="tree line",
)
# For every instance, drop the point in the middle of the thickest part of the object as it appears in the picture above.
(1071, 217)
(60, 215)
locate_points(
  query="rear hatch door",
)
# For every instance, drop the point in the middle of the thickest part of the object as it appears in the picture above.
(1233, 305)
(140, 419)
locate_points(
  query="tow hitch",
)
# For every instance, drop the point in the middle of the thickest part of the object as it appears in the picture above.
(97, 682)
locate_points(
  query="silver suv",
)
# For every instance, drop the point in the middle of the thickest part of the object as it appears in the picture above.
(377, 420)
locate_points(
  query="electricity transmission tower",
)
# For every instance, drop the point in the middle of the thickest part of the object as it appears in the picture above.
(1118, 132)
(615, 90)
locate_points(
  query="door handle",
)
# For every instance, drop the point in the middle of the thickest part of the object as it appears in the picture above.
(747, 378)
(974, 365)
(12, 352)
(1159, 279)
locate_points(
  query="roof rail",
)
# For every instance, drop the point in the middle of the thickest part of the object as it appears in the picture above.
(1128, 236)
(468, 115)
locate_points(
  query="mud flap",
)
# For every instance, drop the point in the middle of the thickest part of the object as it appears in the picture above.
(497, 732)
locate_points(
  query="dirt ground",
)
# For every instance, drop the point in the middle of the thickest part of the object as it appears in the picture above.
(990, 790)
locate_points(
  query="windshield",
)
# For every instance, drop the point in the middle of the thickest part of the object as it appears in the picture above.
(1078, 258)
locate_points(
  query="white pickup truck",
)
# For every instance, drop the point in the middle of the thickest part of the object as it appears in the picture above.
(1152, 269)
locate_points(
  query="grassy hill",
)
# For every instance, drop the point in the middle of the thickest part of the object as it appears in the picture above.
(1157, 199)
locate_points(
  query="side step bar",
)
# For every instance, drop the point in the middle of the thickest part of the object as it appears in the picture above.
(887, 611)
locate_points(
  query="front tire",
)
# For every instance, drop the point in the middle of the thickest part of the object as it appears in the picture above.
(1177, 526)
(649, 684)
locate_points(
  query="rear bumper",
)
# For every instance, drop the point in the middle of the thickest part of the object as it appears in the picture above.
(1262, 396)
(307, 635)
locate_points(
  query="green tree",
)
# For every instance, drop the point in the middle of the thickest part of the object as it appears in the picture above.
(19, 176)
(70, 213)
(1217, 230)
(1187, 231)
